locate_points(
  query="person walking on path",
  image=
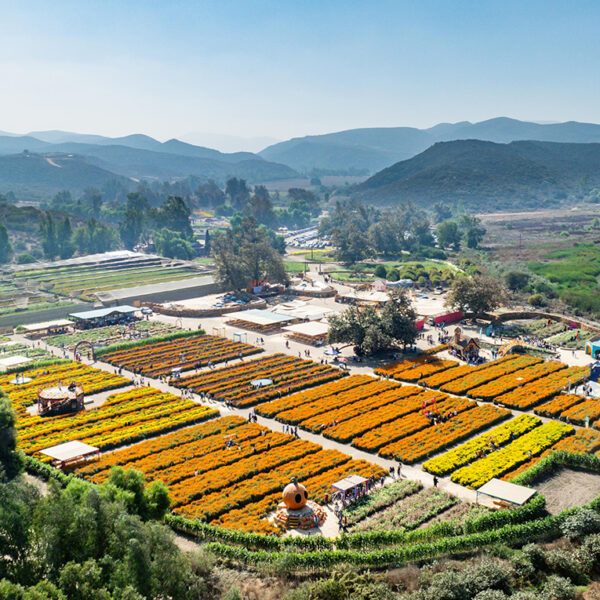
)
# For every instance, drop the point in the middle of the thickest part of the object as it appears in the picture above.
(435, 481)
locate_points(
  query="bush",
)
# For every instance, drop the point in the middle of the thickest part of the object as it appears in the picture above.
(393, 275)
(25, 259)
(580, 523)
(537, 300)
(380, 271)
(491, 595)
(557, 588)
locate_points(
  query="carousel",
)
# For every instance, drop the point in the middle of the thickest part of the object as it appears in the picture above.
(297, 511)
(60, 400)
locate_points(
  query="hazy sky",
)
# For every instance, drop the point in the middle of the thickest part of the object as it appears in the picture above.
(285, 68)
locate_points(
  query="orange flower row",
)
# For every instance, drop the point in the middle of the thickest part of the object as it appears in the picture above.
(533, 393)
(325, 405)
(287, 373)
(435, 439)
(438, 379)
(588, 409)
(413, 369)
(158, 359)
(401, 406)
(488, 372)
(408, 425)
(504, 384)
(558, 404)
(365, 406)
(211, 433)
(270, 409)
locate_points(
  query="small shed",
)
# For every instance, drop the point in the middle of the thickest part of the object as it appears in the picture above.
(71, 453)
(505, 493)
(104, 316)
(313, 332)
(463, 346)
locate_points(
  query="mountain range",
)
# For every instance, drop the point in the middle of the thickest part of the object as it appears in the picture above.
(489, 176)
(373, 149)
(62, 160)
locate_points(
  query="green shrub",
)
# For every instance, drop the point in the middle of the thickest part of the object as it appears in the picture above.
(580, 523)
(537, 300)
(557, 588)
(24, 259)
(393, 275)
(380, 271)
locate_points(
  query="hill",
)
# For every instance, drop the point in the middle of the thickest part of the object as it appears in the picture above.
(377, 148)
(140, 156)
(44, 174)
(488, 176)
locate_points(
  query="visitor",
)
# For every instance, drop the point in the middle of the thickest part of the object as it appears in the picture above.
(392, 471)
(399, 469)
(435, 481)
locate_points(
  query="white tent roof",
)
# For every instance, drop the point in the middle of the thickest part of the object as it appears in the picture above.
(260, 317)
(349, 483)
(11, 361)
(312, 328)
(69, 450)
(47, 324)
(304, 311)
(503, 490)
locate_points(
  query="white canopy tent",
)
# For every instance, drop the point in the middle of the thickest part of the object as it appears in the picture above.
(506, 491)
(70, 452)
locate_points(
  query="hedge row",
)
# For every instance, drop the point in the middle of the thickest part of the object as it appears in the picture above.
(151, 340)
(375, 539)
(512, 534)
(44, 471)
(556, 459)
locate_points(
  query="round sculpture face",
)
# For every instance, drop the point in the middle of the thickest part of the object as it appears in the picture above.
(295, 495)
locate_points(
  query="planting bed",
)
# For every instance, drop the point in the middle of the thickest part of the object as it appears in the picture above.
(154, 360)
(233, 384)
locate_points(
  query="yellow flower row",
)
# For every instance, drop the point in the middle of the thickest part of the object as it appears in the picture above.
(519, 451)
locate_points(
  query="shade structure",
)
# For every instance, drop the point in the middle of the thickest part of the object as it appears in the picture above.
(33, 327)
(71, 452)
(13, 361)
(310, 329)
(506, 491)
(261, 317)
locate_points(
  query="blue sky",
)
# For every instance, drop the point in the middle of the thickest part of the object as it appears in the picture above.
(288, 68)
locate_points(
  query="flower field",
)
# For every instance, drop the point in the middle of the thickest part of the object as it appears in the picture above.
(488, 372)
(588, 409)
(237, 483)
(500, 462)
(186, 353)
(384, 430)
(124, 418)
(327, 390)
(504, 384)
(437, 379)
(533, 393)
(289, 374)
(467, 452)
(413, 369)
(92, 380)
(557, 405)
(423, 444)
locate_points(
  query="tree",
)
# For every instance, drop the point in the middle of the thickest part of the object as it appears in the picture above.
(441, 212)
(11, 461)
(244, 253)
(210, 194)
(48, 235)
(371, 331)
(6, 250)
(135, 220)
(448, 234)
(174, 214)
(238, 193)
(474, 231)
(64, 242)
(380, 271)
(95, 237)
(172, 244)
(477, 294)
(516, 280)
(260, 207)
